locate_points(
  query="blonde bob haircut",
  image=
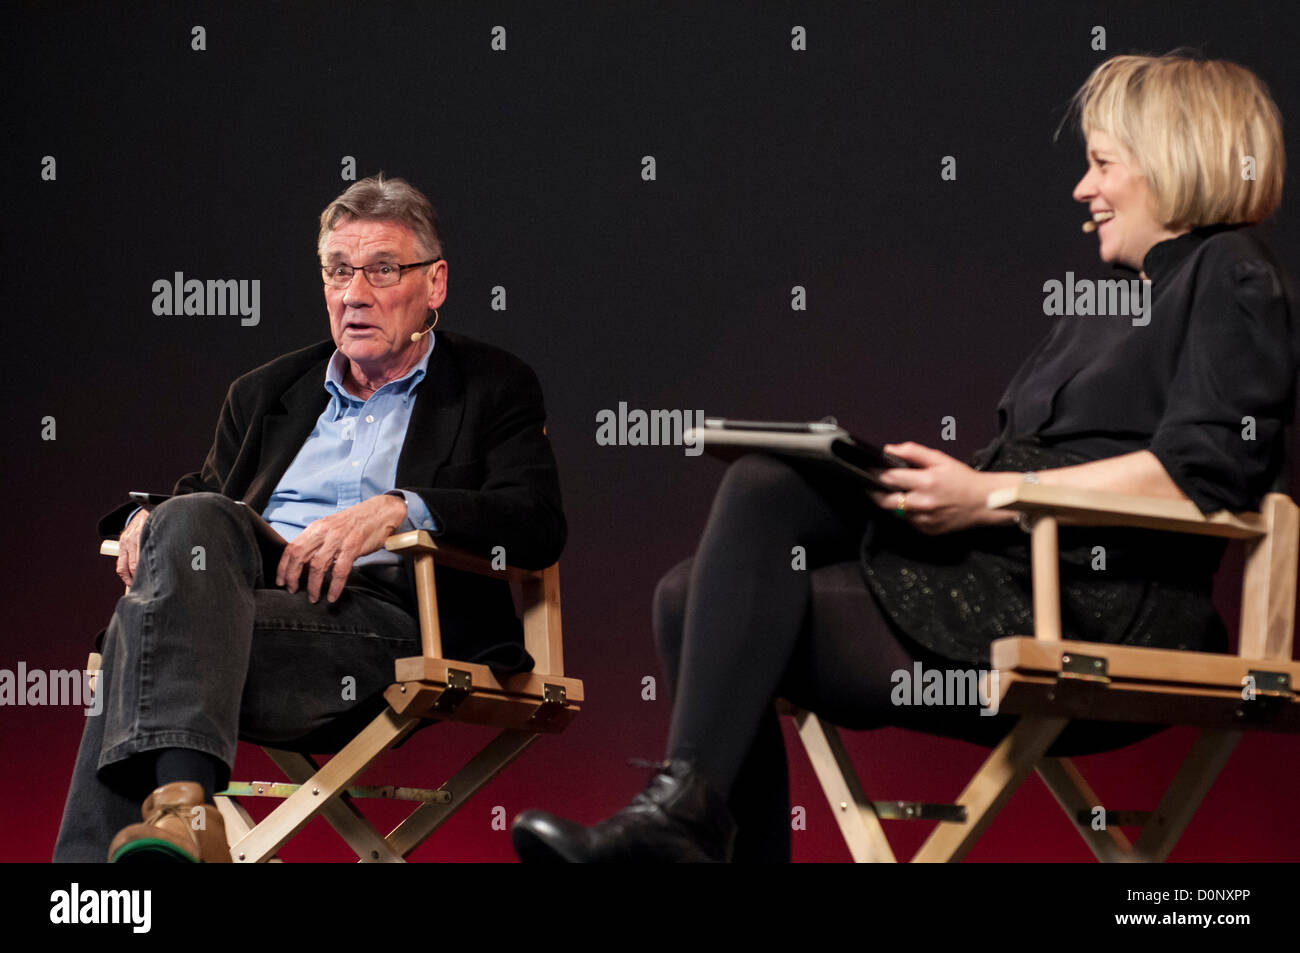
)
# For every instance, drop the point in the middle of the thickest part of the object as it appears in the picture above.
(1205, 133)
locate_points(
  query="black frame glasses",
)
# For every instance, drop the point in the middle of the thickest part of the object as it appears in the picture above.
(343, 279)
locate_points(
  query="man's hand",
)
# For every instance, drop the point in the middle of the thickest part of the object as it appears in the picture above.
(337, 541)
(128, 551)
(943, 494)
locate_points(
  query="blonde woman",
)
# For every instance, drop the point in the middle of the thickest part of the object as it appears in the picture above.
(1183, 156)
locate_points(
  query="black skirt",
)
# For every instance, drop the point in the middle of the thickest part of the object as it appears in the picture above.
(955, 593)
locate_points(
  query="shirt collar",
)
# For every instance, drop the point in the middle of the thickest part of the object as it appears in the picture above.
(1164, 257)
(405, 385)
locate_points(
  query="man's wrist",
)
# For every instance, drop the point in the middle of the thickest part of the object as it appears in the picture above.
(418, 515)
(398, 495)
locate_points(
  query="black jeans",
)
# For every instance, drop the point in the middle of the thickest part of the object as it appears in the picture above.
(202, 652)
(774, 604)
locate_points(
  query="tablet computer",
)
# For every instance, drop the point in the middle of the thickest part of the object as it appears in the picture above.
(821, 441)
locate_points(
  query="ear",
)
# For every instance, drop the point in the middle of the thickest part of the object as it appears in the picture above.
(436, 282)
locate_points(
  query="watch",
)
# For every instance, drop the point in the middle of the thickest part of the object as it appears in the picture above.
(1022, 519)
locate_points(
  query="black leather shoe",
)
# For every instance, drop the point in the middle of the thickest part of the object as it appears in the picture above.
(678, 818)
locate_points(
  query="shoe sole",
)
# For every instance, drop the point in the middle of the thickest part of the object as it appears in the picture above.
(151, 850)
(532, 849)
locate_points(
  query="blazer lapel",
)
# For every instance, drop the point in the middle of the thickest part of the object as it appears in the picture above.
(435, 419)
(285, 430)
(430, 435)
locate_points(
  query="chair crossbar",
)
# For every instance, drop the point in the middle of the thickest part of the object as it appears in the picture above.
(388, 792)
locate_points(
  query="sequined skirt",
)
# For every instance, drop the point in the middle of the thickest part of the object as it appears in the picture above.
(955, 593)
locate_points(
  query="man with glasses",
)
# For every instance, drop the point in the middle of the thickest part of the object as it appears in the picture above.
(221, 635)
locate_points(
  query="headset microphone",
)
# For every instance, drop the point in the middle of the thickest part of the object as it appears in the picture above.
(416, 335)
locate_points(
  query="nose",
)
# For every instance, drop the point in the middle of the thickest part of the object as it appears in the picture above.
(1085, 189)
(358, 292)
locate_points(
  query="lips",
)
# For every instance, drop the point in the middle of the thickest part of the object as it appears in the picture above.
(1102, 217)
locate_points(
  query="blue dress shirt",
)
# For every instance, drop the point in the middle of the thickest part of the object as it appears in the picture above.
(350, 456)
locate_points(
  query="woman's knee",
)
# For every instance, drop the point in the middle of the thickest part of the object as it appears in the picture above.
(758, 476)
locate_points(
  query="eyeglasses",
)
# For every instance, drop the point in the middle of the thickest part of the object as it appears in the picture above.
(381, 274)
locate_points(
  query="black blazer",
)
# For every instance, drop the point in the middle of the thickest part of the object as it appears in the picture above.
(475, 451)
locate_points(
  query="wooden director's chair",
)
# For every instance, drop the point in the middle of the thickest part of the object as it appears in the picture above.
(426, 687)
(1049, 681)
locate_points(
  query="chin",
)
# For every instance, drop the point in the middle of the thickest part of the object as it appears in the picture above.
(366, 352)
(1112, 254)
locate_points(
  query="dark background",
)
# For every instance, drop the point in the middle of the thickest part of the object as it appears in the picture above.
(775, 168)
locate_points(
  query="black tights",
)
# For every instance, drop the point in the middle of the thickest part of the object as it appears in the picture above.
(740, 624)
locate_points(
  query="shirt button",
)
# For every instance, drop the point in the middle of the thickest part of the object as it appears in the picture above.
(370, 418)
(356, 463)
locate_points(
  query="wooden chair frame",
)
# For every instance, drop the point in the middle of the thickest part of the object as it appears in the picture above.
(1049, 681)
(426, 687)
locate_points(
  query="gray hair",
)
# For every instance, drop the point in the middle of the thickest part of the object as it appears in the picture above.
(385, 200)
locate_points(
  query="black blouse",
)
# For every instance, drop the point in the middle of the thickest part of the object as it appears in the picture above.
(1220, 351)
(1219, 347)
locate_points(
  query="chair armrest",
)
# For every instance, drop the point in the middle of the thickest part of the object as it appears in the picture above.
(420, 542)
(1268, 584)
(540, 589)
(1074, 506)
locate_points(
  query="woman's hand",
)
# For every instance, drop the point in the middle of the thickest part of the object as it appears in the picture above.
(942, 493)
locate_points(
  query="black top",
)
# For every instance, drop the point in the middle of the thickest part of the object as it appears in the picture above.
(1219, 351)
(1219, 347)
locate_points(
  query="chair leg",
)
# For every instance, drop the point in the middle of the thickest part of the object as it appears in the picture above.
(1077, 799)
(478, 771)
(238, 821)
(1193, 781)
(341, 813)
(853, 810)
(305, 803)
(1007, 766)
